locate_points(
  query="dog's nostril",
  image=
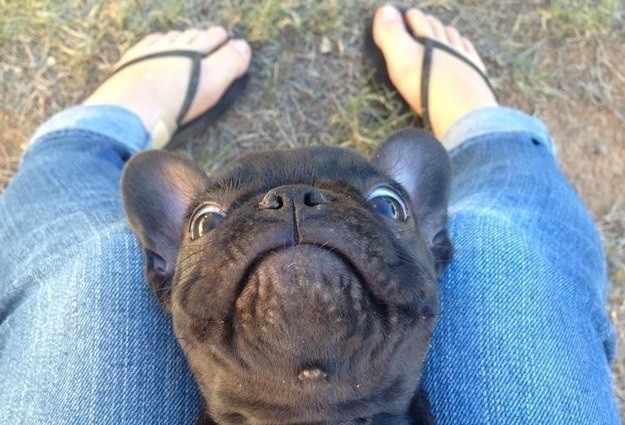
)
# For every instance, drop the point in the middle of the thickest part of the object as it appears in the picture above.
(313, 198)
(311, 374)
(276, 202)
(272, 201)
(297, 195)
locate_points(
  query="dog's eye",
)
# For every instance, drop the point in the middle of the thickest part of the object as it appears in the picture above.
(205, 219)
(388, 203)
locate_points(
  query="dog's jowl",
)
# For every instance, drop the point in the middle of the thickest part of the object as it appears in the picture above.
(303, 282)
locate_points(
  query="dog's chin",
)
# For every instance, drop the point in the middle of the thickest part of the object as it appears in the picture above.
(308, 342)
(301, 299)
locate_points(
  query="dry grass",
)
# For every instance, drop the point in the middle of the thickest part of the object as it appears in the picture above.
(613, 230)
(558, 58)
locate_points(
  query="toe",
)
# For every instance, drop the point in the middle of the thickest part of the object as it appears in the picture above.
(469, 47)
(403, 55)
(391, 36)
(143, 47)
(438, 29)
(228, 63)
(455, 40)
(150, 39)
(208, 40)
(172, 36)
(419, 23)
(219, 70)
(389, 29)
(188, 36)
(473, 55)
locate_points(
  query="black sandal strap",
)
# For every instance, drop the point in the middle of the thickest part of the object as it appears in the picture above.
(194, 81)
(429, 45)
(438, 45)
(184, 53)
(194, 78)
(426, 68)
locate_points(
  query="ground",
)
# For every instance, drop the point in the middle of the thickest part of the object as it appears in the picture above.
(558, 59)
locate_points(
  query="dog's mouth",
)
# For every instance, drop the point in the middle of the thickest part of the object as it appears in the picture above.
(288, 290)
(310, 319)
(305, 319)
(308, 266)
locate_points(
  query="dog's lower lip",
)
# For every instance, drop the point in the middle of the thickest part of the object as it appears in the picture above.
(327, 247)
(379, 305)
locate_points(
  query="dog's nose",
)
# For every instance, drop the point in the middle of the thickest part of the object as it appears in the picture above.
(299, 195)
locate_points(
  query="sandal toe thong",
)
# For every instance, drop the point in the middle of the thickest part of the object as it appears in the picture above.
(374, 58)
(196, 57)
(426, 71)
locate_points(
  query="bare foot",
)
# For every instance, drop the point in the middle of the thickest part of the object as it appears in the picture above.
(455, 88)
(155, 89)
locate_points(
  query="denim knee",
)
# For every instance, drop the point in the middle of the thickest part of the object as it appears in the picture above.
(519, 340)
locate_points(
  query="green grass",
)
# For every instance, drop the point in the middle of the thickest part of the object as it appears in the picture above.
(264, 21)
(368, 118)
(18, 20)
(581, 17)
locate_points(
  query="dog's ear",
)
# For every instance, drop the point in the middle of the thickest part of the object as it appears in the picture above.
(157, 189)
(418, 162)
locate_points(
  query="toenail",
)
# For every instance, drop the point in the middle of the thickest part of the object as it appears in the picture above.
(389, 13)
(241, 47)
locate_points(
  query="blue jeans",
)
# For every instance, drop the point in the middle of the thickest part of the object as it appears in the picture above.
(523, 336)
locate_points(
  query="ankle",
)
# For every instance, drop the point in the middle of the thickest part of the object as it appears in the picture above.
(441, 123)
(125, 93)
(453, 101)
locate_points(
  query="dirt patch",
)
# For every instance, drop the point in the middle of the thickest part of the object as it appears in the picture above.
(11, 146)
(587, 118)
(588, 122)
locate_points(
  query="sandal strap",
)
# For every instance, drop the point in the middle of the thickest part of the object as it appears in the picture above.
(194, 81)
(426, 69)
(430, 45)
(194, 78)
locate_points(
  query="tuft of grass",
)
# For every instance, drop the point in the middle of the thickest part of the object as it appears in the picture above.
(59, 44)
(90, 19)
(531, 78)
(580, 17)
(528, 48)
(367, 118)
(264, 21)
(144, 17)
(19, 19)
(324, 16)
(612, 230)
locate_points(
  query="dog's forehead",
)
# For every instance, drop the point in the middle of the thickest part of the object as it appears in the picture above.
(313, 165)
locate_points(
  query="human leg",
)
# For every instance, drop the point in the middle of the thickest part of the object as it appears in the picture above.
(82, 339)
(523, 336)
(524, 301)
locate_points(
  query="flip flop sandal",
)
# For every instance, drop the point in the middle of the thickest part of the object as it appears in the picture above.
(426, 70)
(161, 134)
(373, 55)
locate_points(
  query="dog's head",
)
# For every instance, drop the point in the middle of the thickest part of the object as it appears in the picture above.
(302, 283)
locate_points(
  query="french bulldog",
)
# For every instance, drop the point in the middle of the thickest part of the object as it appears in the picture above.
(302, 283)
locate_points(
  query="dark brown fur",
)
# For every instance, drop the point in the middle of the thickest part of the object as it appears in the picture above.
(304, 305)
